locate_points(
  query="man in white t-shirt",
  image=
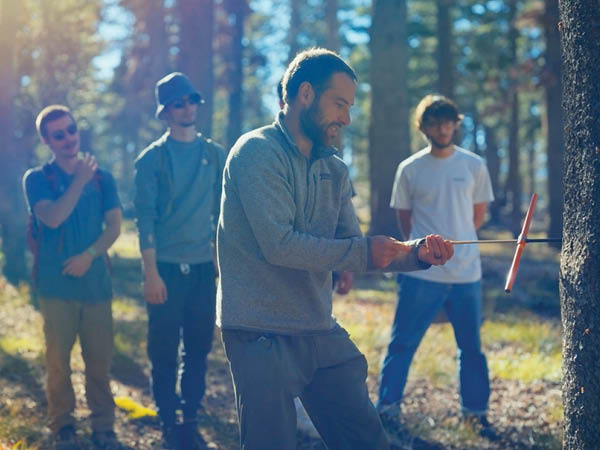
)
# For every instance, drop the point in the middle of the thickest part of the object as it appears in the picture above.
(442, 189)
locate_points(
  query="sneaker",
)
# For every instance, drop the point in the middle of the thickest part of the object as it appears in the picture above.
(390, 416)
(106, 440)
(399, 435)
(482, 426)
(171, 436)
(66, 439)
(191, 439)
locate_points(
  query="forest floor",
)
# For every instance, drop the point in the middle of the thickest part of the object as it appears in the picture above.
(521, 338)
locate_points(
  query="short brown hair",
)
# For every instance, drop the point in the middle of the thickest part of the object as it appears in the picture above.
(436, 107)
(48, 114)
(315, 65)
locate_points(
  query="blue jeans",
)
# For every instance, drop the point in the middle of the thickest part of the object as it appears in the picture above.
(419, 302)
(188, 315)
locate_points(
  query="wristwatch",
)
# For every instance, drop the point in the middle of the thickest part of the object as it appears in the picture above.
(92, 251)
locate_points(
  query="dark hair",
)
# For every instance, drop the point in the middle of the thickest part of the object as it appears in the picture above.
(48, 114)
(315, 65)
(436, 107)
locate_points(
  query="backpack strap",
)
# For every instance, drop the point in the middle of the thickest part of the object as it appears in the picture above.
(212, 152)
(36, 227)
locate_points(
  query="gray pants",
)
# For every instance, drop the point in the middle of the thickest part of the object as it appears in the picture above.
(326, 371)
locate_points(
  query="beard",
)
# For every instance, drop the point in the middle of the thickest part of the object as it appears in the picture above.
(311, 123)
(439, 144)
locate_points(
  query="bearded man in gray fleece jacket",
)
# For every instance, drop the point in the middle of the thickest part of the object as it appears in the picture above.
(286, 223)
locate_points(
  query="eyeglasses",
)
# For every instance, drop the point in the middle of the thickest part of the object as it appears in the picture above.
(59, 135)
(193, 99)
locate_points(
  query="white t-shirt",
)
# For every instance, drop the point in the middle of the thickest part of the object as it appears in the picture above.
(441, 192)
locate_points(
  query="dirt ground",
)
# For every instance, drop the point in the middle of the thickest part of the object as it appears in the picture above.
(432, 413)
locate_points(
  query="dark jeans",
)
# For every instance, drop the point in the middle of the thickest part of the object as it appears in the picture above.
(327, 372)
(188, 315)
(419, 302)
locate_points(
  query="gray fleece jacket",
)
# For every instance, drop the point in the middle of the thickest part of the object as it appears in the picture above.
(286, 223)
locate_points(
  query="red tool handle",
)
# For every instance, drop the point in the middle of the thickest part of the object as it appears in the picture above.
(521, 242)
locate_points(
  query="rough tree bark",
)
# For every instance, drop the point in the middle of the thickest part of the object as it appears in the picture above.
(389, 134)
(580, 262)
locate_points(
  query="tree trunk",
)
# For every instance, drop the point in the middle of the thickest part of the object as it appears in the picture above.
(531, 165)
(476, 128)
(141, 67)
(197, 22)
(444, 49)
(294, 29)
(554, 119)
(333, 43)
(580, 262)
(237, 10)
(493, 163)
(12, 207)
(333, 25)
(514, 185)
(389, 135)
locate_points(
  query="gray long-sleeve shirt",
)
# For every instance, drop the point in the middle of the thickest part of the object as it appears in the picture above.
(286, 222)
(178, 187)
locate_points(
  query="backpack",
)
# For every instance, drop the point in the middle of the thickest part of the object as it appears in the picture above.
(35, 227)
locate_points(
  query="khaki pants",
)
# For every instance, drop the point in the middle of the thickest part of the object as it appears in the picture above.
(64, 320)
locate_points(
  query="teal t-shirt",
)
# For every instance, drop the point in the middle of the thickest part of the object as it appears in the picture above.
(178, 188)
(80, 230)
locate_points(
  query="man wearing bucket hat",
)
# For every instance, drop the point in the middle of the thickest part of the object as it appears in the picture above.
(178, 189)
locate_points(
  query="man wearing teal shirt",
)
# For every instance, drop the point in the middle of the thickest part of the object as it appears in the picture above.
(178, 187)
(77, 214)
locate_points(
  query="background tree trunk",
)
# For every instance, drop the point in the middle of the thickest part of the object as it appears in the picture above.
(294, 29)
(389, 134)
(333, 25)
(513, 182)
(580, 262)
(12, 207)
(333, 43)
(444, 49)
(141, 67)
(493, 163)
(554, 118)
(531, 167)
(238, 9)
(197, 23)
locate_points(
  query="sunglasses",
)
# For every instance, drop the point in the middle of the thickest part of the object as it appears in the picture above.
(59, 135)
(193, 99)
